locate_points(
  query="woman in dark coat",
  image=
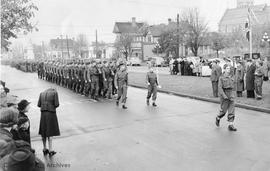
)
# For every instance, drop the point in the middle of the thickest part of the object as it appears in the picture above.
(48, 102)
(250, 77)
(239, 76)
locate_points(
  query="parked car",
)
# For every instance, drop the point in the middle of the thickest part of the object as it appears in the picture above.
(158, 61)
(133, 61)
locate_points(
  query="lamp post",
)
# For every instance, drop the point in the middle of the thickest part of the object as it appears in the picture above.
(266, 38)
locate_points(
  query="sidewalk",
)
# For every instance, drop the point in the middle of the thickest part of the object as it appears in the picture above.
(200, 88)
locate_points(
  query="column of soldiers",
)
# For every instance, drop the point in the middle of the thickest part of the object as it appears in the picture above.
(91, 79)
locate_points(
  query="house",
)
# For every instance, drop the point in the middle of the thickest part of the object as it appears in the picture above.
(235, 19)
(62, 48)
(133, 29)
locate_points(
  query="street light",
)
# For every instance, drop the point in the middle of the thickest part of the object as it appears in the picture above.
(266, 38)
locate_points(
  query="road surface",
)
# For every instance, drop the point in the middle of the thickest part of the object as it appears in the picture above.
(179, 134)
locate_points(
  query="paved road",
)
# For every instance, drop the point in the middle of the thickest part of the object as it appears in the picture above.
(177, 135)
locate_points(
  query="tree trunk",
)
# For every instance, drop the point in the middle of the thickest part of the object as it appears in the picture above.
(217, 54)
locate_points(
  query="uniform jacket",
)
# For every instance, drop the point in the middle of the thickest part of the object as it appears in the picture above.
(226, 86)
(151, 78)
(48, 100)
(121, 78)
(107, 73)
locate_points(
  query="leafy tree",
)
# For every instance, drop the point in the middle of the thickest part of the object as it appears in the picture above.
(15, 19)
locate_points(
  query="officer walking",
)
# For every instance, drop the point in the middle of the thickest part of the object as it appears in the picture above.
(121, 83)
(152, 83)
(227, 95)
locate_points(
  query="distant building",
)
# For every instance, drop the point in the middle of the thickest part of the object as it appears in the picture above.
(145, 39)
(105, 51)
(62, 48)
(235, 19)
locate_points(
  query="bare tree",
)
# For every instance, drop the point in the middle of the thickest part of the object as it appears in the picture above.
(195, 29)
(81, 44)
(123, 44)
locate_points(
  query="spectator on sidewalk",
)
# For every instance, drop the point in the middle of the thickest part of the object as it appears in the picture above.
(23, 130)
(250, 77)
(266, 68)
(15, 155)
(259, 73)
(239, 75)
(48, 128)
(215, 74)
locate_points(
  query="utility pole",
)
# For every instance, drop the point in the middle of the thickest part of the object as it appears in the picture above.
(61, 36)
(178, 34)
(67, 47)
(43, 50)
(96, 45)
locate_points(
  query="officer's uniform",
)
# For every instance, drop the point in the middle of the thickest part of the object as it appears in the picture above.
(94, 73)
(87, 80)
(107, 81)
(151, 80)
(259, 73)
(226, 88)
(121, 81)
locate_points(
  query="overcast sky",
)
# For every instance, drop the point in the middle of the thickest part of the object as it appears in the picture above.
(71, 17)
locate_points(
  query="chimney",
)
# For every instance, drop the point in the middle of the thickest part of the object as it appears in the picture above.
(134, 22)
(169, 20)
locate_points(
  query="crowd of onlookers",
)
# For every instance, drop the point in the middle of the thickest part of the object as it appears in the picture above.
(183, 66)
(16, 153)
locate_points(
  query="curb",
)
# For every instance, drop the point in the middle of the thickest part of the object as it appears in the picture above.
(240, 105)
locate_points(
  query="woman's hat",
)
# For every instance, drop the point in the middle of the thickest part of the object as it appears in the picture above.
(8, 116)
(23, 104)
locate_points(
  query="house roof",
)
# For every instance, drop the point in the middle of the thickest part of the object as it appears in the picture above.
(157, 30)
(61, 41)
(127, 27)
(238, 16)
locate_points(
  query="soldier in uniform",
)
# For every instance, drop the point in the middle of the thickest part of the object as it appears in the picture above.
(81, 77)
(87, 79)
(259, 73)
(152, 83)
(107, 78)
(227, 95)
(70, 76)
(121, 83)
(94, 73)
(215, 74)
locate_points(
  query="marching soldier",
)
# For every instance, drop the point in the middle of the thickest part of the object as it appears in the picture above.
(107, 78)
(94, 72)
(227, 95)
(81, 77)
(152, 83)
(87, 80)
(121, 83)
